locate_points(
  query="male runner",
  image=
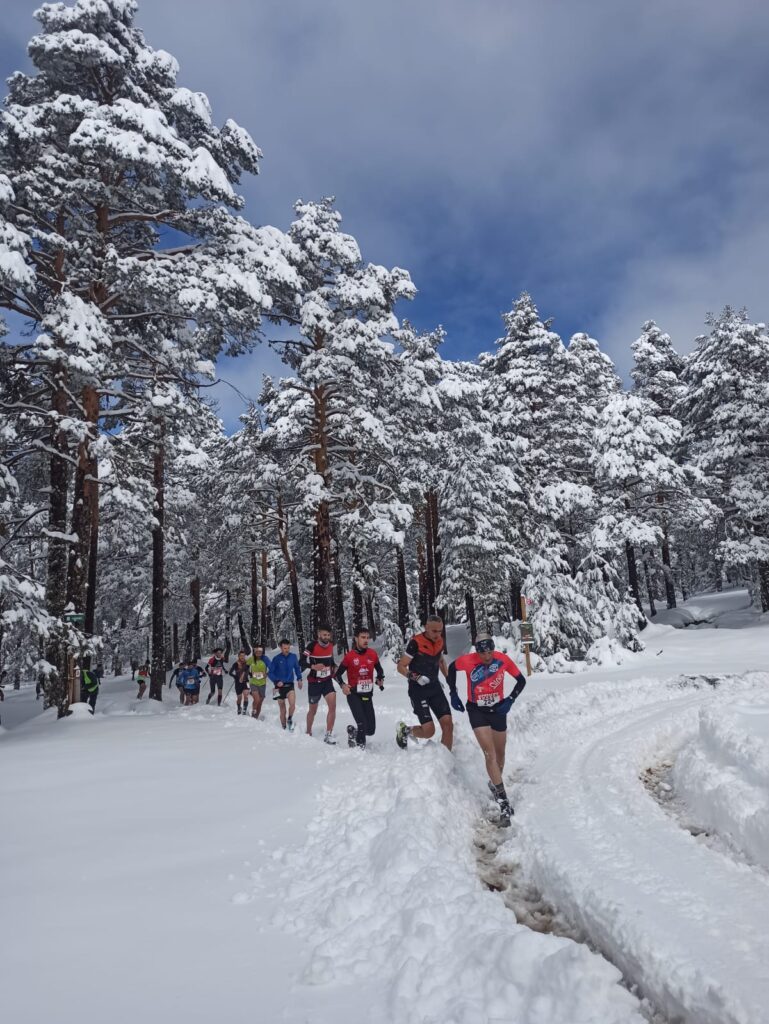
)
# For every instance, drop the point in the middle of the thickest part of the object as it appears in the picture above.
(240, 672)
(420, 665)
(215, 672)
(190, 677)
(142, 678)
(319, 658)
(487, 708)
(258, 666)
(284, 672)
(362, 663)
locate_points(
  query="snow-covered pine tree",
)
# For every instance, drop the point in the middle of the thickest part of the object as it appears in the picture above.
(335, 416)
(726, 417)
(106, 154)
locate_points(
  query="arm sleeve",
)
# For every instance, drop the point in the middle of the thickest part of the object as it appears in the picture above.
(411, 648)
(519, 685)
(268, 663)
(340, 671)
(378, 669)
(452, 677)
(297, 669)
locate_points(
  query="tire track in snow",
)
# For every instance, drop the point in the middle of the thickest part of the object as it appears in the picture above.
(689, 927)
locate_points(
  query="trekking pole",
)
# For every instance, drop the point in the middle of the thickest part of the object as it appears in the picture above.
(228, 693)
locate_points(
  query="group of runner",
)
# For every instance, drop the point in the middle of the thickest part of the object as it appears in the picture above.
(357, 674)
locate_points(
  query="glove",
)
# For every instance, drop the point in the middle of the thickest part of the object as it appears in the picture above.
(456, 702)
(504, 706)
(424, 680)
(380, 684)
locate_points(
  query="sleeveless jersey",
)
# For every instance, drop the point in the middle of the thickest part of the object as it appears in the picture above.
(319, 654)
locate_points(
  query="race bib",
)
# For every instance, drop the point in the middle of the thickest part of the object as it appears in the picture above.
(259, 678)
(216, 671)
(486, 700)
(323, 673)
(365, 686)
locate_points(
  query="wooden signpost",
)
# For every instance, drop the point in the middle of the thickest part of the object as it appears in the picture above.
(527, 635)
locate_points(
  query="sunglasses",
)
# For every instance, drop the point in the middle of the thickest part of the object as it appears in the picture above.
(484, 646)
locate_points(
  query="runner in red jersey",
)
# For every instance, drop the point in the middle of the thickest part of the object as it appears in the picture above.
(318, 657)
(362, 666)
(487, 707)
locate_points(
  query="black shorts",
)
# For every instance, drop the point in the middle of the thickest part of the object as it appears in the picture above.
(281, 692)
(240, 687)
(426, 699)
(317, 690)
(216, 681)
(480, 717)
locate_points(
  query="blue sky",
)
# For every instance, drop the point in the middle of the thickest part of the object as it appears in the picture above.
(610, 157)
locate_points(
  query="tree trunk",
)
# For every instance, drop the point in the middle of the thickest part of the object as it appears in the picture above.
(266, 619)
(255, 625)
(649, 588)
(296, 600)
(81, 576)
(324, 570)
(402, 591)
(175, 642)
(515, 599)
(56, 578)
(432, 507)
(430, 554)
(195, 595)
(670, 588)
(227, 623)
(158, 665)
(338, 625)
(357, 593)
(422, 581)
(168, 662)
(242, 633)
(763, 578)
(370, 617)
(632, 572)
(470, 609)
(188, 642)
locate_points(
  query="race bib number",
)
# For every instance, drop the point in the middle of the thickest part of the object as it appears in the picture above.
(259, 678)
(216, 671)
(366, 686)
(486, 700)
(323, 673)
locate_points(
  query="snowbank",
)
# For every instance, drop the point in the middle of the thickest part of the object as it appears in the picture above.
(723, 776)
(730, 609)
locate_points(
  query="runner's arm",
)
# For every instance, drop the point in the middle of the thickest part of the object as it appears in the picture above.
(451, 677)
(379, 671)
(520, 679)
(340, 671)
(297, 669)
(443, 667)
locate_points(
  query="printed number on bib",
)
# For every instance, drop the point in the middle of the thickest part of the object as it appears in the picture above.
(323, 673)
(486, 700)
(366, 686)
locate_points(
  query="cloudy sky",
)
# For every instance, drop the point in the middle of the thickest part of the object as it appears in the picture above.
(611, 157)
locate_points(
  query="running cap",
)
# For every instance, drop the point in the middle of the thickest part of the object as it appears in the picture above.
(484, 643)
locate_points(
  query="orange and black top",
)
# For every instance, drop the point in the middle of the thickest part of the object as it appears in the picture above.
(425, 656)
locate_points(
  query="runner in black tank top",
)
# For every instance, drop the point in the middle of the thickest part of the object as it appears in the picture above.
(421, 664)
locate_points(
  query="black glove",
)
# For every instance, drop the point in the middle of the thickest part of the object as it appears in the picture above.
(456, 702)
(504, 705)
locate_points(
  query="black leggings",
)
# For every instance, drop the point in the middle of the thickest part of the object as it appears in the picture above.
(362, 707)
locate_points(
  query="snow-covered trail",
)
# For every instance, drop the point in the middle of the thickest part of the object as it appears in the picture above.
(686, 922)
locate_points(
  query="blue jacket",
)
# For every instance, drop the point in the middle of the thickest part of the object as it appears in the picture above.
(285, 668)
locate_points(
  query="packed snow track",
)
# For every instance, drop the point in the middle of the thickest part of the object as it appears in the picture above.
(683, 921)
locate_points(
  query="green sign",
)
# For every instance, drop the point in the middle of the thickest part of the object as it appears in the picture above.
(527, 633)
(74, 617)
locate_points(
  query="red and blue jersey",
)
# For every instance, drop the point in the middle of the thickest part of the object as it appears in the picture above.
(485, 683)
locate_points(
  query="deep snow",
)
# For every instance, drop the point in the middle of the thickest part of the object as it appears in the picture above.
(189, 864)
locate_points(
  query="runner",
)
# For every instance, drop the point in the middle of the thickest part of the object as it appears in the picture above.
(284, 671)
(215, 672)
(420, 665)
(487, 708)
(142, 678)
(259, 665)
(190, 677)
(362, 663)
(318, 657)
(240, 672)
(90, 680)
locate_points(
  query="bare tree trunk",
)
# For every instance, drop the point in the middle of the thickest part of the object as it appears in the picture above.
(195, 595)
(430, 553)
(266, 619)
(56, 579)
(357, 592)
(323, 613)
(422, 581)
(515, 599)
(338, 625)
(649, 588)
(293, 578)
(432, 508)
(670, 587)
(470, 609)
(763, 578)
(175, 642)
(403, 597)
(254, 600)
(632, 572)
(158, 665)
(169, 664)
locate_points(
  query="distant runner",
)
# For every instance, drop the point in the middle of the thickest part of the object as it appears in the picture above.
(240, 672)
(284, 672)
(190, 677)
(142, 678)
(215, 672)
(487, 708)
(362, 666)
(258, 666)
(421, 664)
(90, 680)
(318, 657)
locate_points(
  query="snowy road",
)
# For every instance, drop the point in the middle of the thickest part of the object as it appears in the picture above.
(687, 922)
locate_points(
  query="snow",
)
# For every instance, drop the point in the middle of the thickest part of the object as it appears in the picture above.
(730, 609)
(722, 775)
(232, 862)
